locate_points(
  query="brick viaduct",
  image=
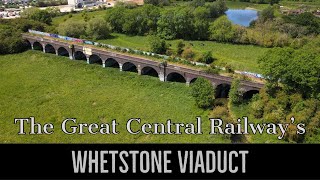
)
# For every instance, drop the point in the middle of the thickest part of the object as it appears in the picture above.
(143, 66)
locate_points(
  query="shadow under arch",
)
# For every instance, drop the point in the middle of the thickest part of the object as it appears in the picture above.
(176, 77)
(63, 52)
(78, 55)
(37, 46)
(110, 62)
(222, 90)
(49, 49)
(149, 71)
(128, 66)
(95, 59)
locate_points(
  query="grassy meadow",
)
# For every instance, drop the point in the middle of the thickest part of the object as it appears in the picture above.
(52, 88)
(241, 57)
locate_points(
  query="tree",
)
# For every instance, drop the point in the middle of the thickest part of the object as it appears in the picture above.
(157, 2)
(266, 14)
(115, 17)
(36, 14)
(180, 46)
(297, 70)
(203, 92)
(307, 19)
(222, 30)
(221, 7)
(157, 45)
(141, 21)
(207, 57)
(165, 25)
(188, 53)
(182, 22)
(235, 95)
(197, 3)
(97, 28)
(10, 34)
(176, 23)
(201, 23)
(74, 29)
(11, 41)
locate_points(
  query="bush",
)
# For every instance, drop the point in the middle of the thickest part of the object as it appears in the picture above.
(10, 34)
(212, 70)
(313, 128)
(188, 53)
(203, 92)
(221, 112)
(74, 29)
(180, 46)
(235, 95)
(266, 14)
(229, 68)
(207, 57)
(222, 30)
(157, 45)
(257, 109)
(98, 28)
(11, 41)
(36, 14)
(276, 116)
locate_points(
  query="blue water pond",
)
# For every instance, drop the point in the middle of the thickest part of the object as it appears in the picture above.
(242, 17)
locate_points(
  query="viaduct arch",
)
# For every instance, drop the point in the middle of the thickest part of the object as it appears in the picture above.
(143, 66)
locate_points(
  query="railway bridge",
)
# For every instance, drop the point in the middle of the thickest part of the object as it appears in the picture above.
(143, 66)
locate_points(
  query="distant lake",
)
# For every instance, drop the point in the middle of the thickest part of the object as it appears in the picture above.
(242, 17)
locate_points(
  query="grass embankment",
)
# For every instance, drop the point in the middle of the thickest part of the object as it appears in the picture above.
(53, 88)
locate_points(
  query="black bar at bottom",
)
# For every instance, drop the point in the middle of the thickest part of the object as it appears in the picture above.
(160, 161)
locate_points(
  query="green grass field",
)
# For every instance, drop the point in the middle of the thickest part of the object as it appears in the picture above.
(77, 17)
(244, 5)
(315, 5)
(52, 88)
(241, 57)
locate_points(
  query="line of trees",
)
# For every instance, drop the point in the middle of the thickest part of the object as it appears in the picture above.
(179, 22)
(207, 22)
(10, 34)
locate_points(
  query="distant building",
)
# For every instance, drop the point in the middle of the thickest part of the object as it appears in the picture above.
(76, 3)
(292, 12)
(82, 3)
(15, 1)
(138, 2)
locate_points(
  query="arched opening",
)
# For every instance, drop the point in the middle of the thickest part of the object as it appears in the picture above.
(222, 90)
(37, 46)
(49, 49)
(63, 52)
(176, 77)
(128, 66)
(149, 71)
(111, 63)
(78, 55)
(249, 94)
(95, 59)
(193, 80)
